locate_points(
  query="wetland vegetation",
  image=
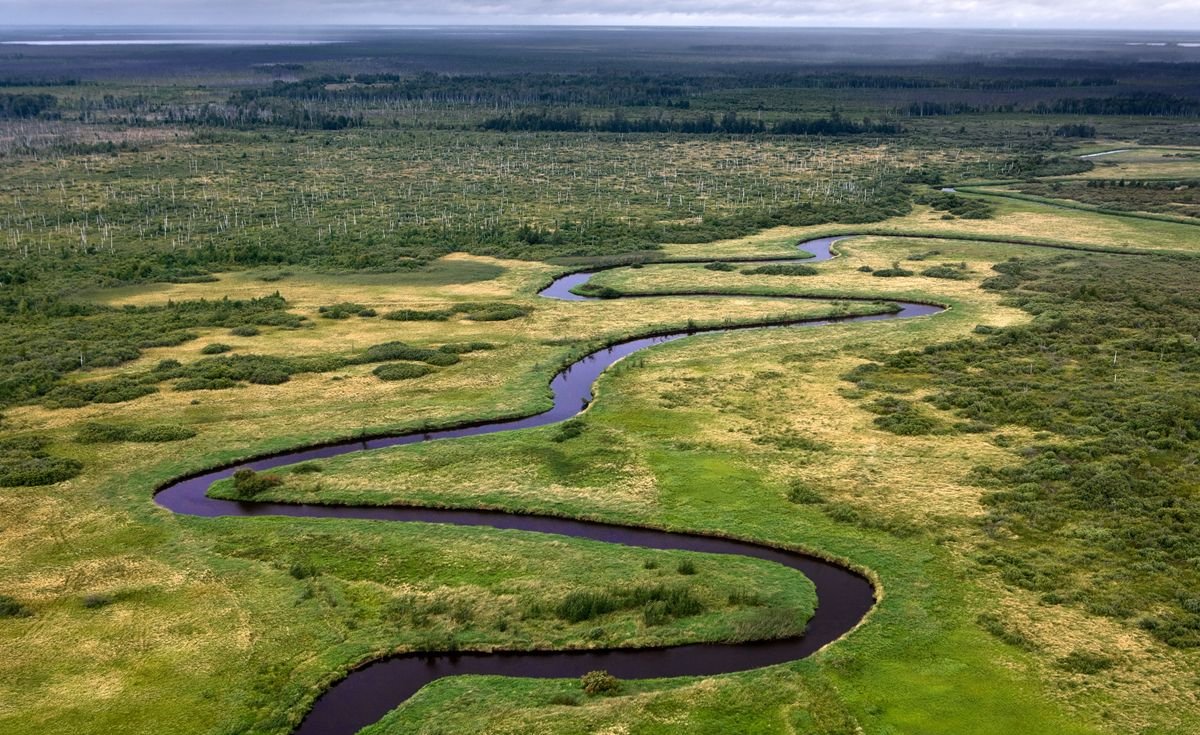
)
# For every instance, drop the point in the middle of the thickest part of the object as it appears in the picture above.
(238, 254)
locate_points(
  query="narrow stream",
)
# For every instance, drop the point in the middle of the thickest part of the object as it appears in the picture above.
(368, 693)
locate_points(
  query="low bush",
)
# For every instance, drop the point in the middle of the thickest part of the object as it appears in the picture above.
(599, 682)
(248, 483)
(245, 330)
(894, 272)
(658, 601)
(1082, 662)
(568, 430)
(97, 432)
(687, 567)
(109, 390)
(462, 348)
(10, 607)
(401, 371)
(951, 271)
(782, 269)
(215, 348)
(801, 494)
(719, 266)
(24, 462)
(345, 310)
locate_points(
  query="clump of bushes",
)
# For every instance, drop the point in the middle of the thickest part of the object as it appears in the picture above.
(109, 390)
(663, 603)
(96, 432)
(345, 310)
(215, 348)
(248, 483)
(462, 348)
(993, 624)
(923, 256)
(568, 430)
(902, 417)
(478, 311)
(401, 371)
(599, 682)
(24, 461)
(1082, 662)
(10, 607)
(782, 269)
(596, 291)
(802, 494)
(896, 271)
(952, 271)
(402, 351)
(719, 266)
(686, 567)
(245, 330)
(957, 206)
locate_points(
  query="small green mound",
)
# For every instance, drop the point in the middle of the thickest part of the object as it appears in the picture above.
(720, 266)
(215, 348)
(246, 330)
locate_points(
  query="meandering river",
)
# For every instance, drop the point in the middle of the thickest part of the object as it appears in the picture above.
(368, 693)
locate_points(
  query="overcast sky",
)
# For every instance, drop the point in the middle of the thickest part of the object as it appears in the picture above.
(1172, 15)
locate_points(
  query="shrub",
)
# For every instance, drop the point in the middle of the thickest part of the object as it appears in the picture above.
(97, 432)
(400, 351)
(802, 494)
(599, 682)
(894, 272)
(11, 608)
(248, 483)
(687, 566)
(215, 348)
(1082, 662)
(719, 266)
(307, 468)
(25, 462)
(97, 600)
(567, 430)
(345, 310)
(111, 390)
(999, 628)
(902, 417)
(949, 271)
(585, 605)
(268, 376)
(205, 384)
(167, 365)
(401, 371)
(782, 269)
(492, 311)
(440, 358)
(246, 330)
(417, 315)
(462, 348)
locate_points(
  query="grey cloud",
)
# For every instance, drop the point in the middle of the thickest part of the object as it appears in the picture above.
(1119, 14)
